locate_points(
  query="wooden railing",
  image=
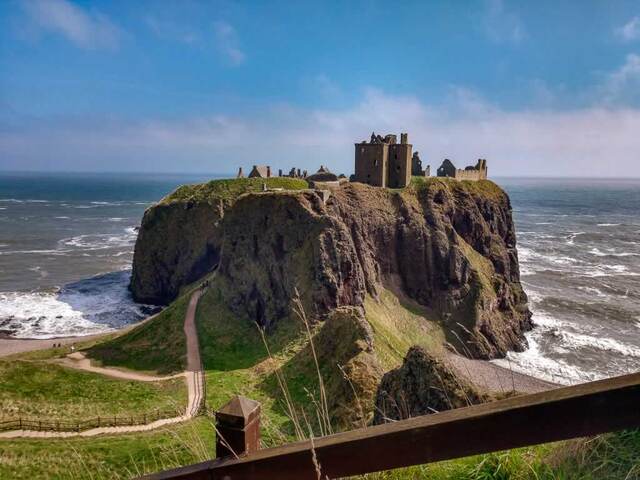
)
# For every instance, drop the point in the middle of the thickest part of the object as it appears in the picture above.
(80, 425)
(559, 414)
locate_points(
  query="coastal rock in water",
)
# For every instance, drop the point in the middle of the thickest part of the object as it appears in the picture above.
(422, 385)
(448, 245)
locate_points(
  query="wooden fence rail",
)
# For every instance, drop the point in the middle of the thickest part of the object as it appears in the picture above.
(70, 425)
(559, 414)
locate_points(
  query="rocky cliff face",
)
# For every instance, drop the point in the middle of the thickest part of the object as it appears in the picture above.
(177, 244)
(180, 237)
(448, 245)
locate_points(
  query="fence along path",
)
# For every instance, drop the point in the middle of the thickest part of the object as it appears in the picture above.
(194, 377)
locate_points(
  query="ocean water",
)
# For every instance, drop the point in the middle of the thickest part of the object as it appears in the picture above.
(66, 246)
(579, 252)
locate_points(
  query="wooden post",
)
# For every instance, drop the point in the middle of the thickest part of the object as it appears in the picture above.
(238, 427)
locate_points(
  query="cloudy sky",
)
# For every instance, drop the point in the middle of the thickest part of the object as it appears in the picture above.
(541, 88)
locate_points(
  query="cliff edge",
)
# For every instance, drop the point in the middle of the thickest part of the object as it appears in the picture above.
(448, 245)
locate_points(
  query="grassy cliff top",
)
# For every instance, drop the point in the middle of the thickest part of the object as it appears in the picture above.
(485, 188)
(229, 189)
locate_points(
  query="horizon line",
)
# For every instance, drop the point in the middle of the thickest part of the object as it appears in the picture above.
(225, 175)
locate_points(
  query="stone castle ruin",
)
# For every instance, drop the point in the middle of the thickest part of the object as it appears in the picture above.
(416, 166)
(474, 173)
(382, 162)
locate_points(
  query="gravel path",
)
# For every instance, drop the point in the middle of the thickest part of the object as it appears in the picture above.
(495, 378)
(194, 377)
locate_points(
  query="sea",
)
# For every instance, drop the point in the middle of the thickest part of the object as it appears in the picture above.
(66, 247)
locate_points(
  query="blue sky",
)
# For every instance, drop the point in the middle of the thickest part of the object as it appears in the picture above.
(537, 88)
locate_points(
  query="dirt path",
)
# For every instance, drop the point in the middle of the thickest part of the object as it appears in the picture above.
(79, 361)
(194, 378)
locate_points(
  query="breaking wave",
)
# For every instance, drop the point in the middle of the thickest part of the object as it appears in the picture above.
(94, 305)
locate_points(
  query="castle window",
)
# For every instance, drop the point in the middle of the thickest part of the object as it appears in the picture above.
(375, 162)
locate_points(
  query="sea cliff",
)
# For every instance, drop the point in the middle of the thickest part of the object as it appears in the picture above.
(447, 245)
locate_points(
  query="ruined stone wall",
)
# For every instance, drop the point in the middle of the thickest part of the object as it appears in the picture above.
(473, 175)
(399, 175)
(371, 164)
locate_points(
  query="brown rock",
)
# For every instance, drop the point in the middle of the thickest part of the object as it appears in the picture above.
(422, 385)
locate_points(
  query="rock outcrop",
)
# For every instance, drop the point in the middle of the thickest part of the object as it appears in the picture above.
(348, 365)
(422, 385)
(180, 237)
(448, 245)
(177, 244)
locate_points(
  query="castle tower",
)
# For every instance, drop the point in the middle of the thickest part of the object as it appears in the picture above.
(371, 163)
(399, 172)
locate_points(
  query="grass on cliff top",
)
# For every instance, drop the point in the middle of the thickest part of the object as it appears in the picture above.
(485, 188)
(157, 345)
(48, 391)
(229, 189)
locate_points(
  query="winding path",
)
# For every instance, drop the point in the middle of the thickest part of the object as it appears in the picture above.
(194, 377)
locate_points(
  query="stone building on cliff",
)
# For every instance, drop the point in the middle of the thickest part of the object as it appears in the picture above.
(475, 172)
(416, 166)
(260, 171)
(382, 162)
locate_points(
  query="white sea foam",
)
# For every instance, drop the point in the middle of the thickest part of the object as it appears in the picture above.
(561, 260)
(27, 252)
(594, 290)
(547, 363)
(609, 224)
(611, 253)
(61, 218)
(576, 341)
(533, 362)
(571, 238)
(116, 219)
(101, 241)
(93, 305)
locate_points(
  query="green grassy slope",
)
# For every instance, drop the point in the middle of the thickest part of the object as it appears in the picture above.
(231, 188)
(107, 457)
(237, 363)
(47, 391)
(155, 346)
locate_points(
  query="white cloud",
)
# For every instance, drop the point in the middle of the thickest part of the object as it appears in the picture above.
(227, 43)
(623, 85)
(582, 142)
(89, 30)
(502, 25)
(630, 31)
(167, 29)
